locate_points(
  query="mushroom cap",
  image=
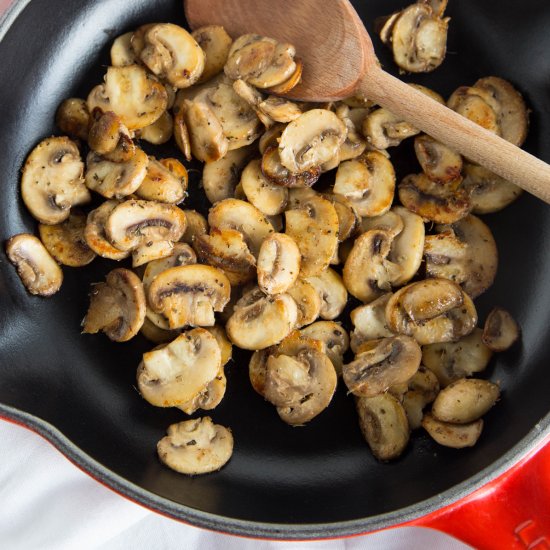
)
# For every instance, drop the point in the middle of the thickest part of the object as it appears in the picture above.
(196, 446)
(165, 181)
(370, 323)
(265, 196)
(37, 269)
(308, 301)
(209, 398)
(348, 217)
(196, 225)
(178, 372)
(282, 68)
(109, 137)
(72, 117)
(276, 173)
(476, 105)
(189, 295)
(134, 223)
(216, 44)
(52, 180)
(160, 131)
(278, 264)
(333, 293)
(383, 129)
(335, 338)
(500, 331)
(456, 436)
(440, 163)
(117, 307)
(250, 54)
(122, 53)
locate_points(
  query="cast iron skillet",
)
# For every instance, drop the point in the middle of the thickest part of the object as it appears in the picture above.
(317, 481)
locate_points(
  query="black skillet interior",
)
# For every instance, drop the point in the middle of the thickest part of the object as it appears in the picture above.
(319, 474)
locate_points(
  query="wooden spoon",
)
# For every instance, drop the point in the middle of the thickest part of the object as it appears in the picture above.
(339, 61)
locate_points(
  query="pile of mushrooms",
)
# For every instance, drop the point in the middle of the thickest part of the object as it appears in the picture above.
(303, 222)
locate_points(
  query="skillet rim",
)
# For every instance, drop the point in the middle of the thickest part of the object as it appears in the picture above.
(531, 442)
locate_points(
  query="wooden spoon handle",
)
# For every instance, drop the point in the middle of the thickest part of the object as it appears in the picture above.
(459, 133)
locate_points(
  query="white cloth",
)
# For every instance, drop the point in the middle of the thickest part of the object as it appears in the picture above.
(46, 503)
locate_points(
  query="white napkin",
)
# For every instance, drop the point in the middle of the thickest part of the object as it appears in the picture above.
(47, 503)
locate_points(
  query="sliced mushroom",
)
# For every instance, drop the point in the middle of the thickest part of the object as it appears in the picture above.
(477, 106)
(391, 221)
(368, 182)
(370, 322)
(278, 264)
(52, 181)
(172, 54)
(160, 131)
(311, 140)
(130, 92)
(208, 142)
(419, 39)
(116, 179)
(109, 137)
(226, 348)
(348, 218)
(422, 389)
(280, 109)
(438, 6)
(181, 135)
(151, 251)
(384, 425)
(117, 307)
(308, 301)
(182, 254)
(334, 337)
(382, 129)
(333, 293)
(512, 113)
(314, 227)
(278, 174)
(355, 144)
(165, 181)
(253, 97)
(465, 401)
(257, 369)
(464, 252)
(95, 235)
(37, 269)
(488, 192)
(440, 163)
(380, 364)
(500, 331)
(155, 334)
(175, 374)
(66, 242)
(196, 446)
(227, 250)
(260, 321)
(196, 225)
(209, 398)
(431, 311)
(456, 436)
(293, 81)
(243, 217)
(216, 43)
(249, 55)
(282, 67)
(122, 53)
(368, 272)
(72, 117)
(220, 178)
(433, 201)
(266, 197)
(454, 360)
(189, 295)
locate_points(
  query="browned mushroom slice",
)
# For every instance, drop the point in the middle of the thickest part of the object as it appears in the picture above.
(391, 221)
(155, 334)
(181, 135)
(265, 196)
(383, 129)
(196, 446)
(115, 179)
(52, 181)
(440, 163)
(160, 131)
(216, 44)
(384, 425)
(355, 144)
(110, 138)
(314, 227)
(66, 242)
(226, 348)
(457, 436)
(122, 53)
(196, 225)
(348, 218)
(275, 172)
(243, 217)
(173, 375)
(370, 322)
(151, 251)
(368, 272)
(135, 223)
(182, 254)
(117, 307)
(334, 337)
(72, 117)
(209, 398)
(368, 182)
(451, 361)
(500, 331)
(419, 39)
(464, 252)
(311, 140)
(165, 181)
(260, 321)
(422, 389)
(37, 269)
(253, 97)
(207, 139)
(308, 301)
(172, 54)
(95, 235)
(433, 201)
(512, 113)
(280, 70)
(431, 311)
(475, 105)
(380, 364)
(279, 109)
(333, 293)
(488, 192)
(285, 87)
(130, 92)
(278, 264)
(250, 54)
(227, 250)
(465, 401)
(189, 295)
